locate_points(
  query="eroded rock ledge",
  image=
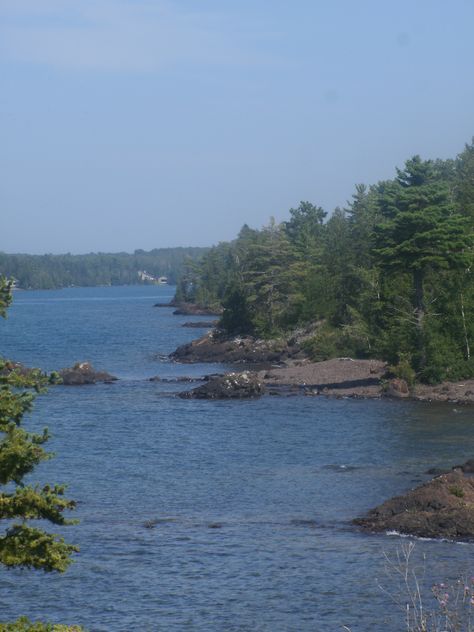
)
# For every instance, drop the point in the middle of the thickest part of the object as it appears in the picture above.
(441, 508)
(339, 377)
(215, 347)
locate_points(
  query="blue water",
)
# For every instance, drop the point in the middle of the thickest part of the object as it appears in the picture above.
(251, 501)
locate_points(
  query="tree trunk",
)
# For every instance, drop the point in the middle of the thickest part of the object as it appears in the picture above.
(419, 306)
(466, 339)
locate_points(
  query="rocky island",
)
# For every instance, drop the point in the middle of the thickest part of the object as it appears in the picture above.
(84, 373)
(441, 508)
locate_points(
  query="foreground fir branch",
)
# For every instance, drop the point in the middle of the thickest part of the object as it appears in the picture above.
(23, 624)
(22, 545)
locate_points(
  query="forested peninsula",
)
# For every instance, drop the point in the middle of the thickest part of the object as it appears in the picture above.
(387, 277)
(55, 271)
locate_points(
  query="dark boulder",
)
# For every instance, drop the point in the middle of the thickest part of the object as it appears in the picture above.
(229, 386)
(467, 467)
(441, 508)
(84, 373)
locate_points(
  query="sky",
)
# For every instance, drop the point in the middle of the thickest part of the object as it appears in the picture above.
(153, 123)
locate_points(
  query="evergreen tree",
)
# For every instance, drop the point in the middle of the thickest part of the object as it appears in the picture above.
(305, 228)
(464, 181)
(268, 279)
(421, 232)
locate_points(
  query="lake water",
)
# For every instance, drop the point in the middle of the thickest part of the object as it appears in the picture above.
(251, 501)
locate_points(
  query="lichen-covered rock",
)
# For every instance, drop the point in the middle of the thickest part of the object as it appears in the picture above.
(229, 386)
(84, 373)
(441, 508)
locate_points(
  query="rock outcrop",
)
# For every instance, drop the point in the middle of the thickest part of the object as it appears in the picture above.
(441, 508)
(243, 385)
(215, 347)
(190, 309)
(200, 324)
(193, 309)
(84, 373)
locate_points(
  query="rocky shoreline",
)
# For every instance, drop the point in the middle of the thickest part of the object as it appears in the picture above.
(190, 309)
(215, 347)
(282, 367)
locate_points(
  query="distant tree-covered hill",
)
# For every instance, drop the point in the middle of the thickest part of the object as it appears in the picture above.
(55, 271)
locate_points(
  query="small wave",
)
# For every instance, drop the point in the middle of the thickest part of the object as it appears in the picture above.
(341, 467)
(394, 533)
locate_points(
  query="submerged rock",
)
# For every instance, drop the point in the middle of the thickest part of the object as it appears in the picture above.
(441, 508)
(175, 380)
(229, 386)
(84, 373)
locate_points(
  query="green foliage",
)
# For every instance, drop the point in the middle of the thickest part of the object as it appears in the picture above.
(5, 295)
(324, 344)
(29, 547)
(463, 185)
(403, 369)
(389, 276)
(457, 491)
(420, 228)
(23, 624)
(237, 317)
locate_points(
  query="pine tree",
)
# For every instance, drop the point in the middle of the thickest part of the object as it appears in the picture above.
(464, 181)
(268, 279)
(421, 232)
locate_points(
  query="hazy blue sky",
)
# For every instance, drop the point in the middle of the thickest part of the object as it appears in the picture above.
(149, 123)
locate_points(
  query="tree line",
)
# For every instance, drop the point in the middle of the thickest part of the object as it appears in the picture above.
(388, 276)
(55, 271)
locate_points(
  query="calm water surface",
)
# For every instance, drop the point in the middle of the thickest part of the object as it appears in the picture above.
(251, 501)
